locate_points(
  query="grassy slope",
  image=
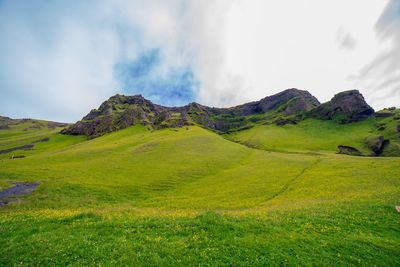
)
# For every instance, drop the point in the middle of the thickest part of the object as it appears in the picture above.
(318, 136)
(188, 196)
(27, 132)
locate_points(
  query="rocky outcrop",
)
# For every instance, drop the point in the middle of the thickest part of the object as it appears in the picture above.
(345, 107)
(120, 112)
(288, 102)
(376, 144)
(283, 121)
(278, 107)
(348, 150)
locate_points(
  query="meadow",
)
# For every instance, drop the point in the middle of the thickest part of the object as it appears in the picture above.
(187, 196)
(319, 136)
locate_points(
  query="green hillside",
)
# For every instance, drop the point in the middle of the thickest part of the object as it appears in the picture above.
(321, 136)
(187, 196)
(42, 135)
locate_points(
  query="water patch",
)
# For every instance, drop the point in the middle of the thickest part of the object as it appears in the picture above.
(19, 188)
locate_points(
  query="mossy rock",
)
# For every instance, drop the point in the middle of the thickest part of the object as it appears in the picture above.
(376, 144)
(348, 150)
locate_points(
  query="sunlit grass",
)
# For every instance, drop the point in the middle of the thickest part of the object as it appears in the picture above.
(190, 197)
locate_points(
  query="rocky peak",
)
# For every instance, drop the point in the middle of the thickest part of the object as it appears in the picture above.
(347, 106)
(351, 103)
(119, 112)
(290, 101)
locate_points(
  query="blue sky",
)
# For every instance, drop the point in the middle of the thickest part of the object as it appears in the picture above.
(59, 59)
(176, 88)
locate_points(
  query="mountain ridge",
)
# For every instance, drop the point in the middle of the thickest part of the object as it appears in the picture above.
(287, 107)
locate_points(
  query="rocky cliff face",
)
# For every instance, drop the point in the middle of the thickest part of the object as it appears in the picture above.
(288, 102)
(348, 106)
(288, 106)
(120, 112)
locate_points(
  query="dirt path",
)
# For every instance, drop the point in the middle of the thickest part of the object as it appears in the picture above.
(294, 179)
(19, 188)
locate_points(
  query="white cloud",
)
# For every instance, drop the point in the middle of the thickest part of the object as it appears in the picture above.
(345, 40)
(57, 58)
(381, 76)
(274, 45)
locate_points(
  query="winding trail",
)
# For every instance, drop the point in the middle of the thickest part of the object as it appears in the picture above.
(294, 179)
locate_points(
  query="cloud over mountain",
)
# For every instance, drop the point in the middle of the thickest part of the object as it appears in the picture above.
(59, 59)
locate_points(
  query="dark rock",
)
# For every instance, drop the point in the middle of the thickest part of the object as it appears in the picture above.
(398, 128)
(24, 147)
(288, 102)
(53, 124)
(17, 157)
(348, 150)
(376, 144)
(41, 140)
(283, 121)
(348, 106)
(120, 112)
(384, 113)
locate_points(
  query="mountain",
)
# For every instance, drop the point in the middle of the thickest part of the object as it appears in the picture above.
(120, 111)
(343, 114)
(287, 107)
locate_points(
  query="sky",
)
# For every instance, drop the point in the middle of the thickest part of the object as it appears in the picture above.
(60, 59)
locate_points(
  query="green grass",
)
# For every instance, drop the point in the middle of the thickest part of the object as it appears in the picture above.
(190, 197)
(29, 132)
(319, 136)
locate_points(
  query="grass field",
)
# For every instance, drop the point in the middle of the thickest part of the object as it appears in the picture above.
(188, 196)
(318, 136)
